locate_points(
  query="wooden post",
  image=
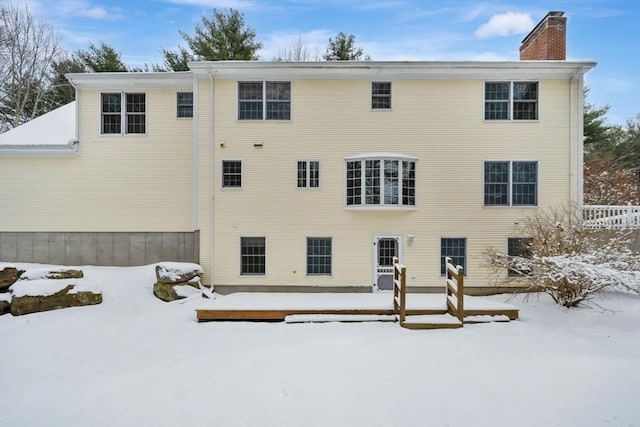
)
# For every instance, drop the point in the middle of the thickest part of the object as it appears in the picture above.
(403, 294)
(460, 295)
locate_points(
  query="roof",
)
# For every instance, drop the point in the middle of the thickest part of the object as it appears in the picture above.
(57, 127)
(52, 134)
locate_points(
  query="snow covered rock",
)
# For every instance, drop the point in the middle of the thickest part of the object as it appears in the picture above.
(56, 274)
(8, 276)
(5, 303)
(32, 296)
(175, 280)
(174, 291)
(177, 272)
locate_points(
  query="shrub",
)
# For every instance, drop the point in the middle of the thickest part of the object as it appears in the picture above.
(567, 261)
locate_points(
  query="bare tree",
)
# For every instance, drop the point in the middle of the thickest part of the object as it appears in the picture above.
(27, 50)
(296, 52)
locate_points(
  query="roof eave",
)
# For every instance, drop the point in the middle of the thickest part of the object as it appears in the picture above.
(391, 69)
(131, 80)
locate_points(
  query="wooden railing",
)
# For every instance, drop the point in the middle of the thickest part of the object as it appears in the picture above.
(611, 217)
(455, 289)
(399, 290)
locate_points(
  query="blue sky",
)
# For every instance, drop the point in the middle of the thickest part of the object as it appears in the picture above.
(606, 31)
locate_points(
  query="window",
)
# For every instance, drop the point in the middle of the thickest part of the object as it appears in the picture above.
(380, 95)
(134, 113)
(386, 182)
(511, 101)
(318, 256)
(308, 174)
(510, 183)
(264, 100)
(185, 104)
(252, 256)
(456, 249)
(232, 173)
(519, 247)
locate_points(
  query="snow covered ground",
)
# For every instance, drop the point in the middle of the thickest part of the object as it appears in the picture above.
(137, 361)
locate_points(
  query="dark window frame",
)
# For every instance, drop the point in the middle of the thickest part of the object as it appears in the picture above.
(319, 256)
(130, 120)
(231, 174)
(266, 100)
(184, 105)
(253, 256)
(518, 247)
(453, 244)
(511, 101)
(381, 95)
(308, 174)
(515, 187)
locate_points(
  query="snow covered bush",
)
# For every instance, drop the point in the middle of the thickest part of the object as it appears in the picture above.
(563, 259)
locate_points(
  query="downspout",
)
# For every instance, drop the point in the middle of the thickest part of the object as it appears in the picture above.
(581, 139)
(195, 158)
(572, 113)
(211, 168)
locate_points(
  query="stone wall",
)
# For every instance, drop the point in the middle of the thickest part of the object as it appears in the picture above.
(105, 249)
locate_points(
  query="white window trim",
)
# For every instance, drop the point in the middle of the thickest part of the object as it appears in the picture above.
(510, 187)
(222, 187)
(466, 253)
(264, 101)
(123, 114)
(317, 275)
(372, 95)
(266, 246)
(193, 112)
(380, 156)
(308, 176)
(511, 100)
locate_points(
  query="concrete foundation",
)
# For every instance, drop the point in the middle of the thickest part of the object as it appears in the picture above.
(105, 249)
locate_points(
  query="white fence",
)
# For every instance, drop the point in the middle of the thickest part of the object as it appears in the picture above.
(611, 217)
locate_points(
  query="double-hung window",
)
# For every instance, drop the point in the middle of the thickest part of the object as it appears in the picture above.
(266, 100)
(318, 256)
(133, 115)
(381, 95)
(308, 174)
(511, 101)
(253, 254)
(381, 182)
(184, 104)
(456, 249)
(509, 183)
(231, 173)
(519, 247)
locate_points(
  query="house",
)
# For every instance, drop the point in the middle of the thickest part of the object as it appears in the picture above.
(306, 175)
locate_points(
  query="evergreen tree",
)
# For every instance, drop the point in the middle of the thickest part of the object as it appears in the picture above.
(101, 58)
(220, 36)
(343, 48)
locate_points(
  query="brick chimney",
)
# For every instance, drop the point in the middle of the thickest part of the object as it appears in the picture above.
(547, 40)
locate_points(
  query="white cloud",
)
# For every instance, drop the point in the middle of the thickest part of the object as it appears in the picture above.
(505, 24)
(235, 4)
(84, 9)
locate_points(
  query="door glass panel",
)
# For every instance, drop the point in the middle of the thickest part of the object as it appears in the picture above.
(387, 249)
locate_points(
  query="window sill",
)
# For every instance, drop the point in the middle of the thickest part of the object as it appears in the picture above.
(511, 206)
(379, 208)
(110, 135)
(511, 121)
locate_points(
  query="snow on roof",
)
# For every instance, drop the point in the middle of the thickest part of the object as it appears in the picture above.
(57, 127)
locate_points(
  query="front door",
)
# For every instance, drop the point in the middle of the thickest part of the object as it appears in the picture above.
(385, 248)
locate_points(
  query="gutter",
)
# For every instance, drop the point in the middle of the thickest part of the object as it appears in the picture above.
(72, 149)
